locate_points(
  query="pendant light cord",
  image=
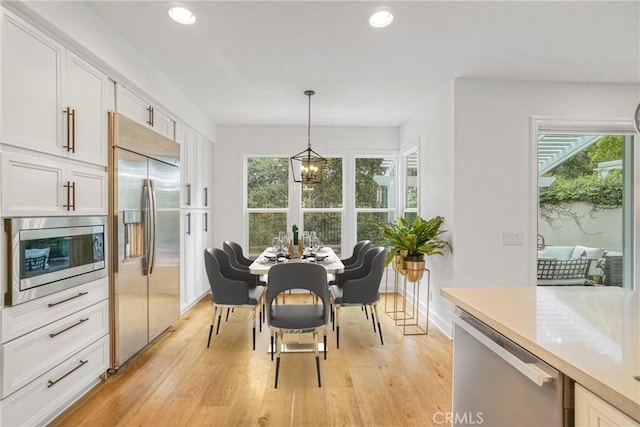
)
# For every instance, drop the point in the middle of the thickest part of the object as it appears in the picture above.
(309, 93)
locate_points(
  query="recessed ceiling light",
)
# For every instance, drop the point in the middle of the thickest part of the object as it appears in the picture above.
(381, 19)
(182, 15)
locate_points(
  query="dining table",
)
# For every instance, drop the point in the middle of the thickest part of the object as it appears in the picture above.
(324, 256)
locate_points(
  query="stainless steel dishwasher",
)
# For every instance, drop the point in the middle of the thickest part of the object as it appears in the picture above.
(498, 383)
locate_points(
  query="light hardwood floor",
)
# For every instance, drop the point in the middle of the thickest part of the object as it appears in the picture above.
(178, 381)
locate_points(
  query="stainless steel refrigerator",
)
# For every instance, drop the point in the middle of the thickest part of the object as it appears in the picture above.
(144, 207)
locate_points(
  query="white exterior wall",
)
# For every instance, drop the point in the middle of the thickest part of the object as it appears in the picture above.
(490, 191)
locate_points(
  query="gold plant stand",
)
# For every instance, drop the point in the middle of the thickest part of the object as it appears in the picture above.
(407, 314)
(392, 309)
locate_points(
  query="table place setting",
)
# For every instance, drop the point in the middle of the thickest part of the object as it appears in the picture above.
(324, 256)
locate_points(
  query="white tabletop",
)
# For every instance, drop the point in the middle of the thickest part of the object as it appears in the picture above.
(332, 263)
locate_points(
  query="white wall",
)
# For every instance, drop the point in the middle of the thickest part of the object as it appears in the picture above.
(599, 229)
(433, 128)
(490, 190)
(235, 142)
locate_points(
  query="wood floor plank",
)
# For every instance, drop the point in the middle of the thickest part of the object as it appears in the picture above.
(178, 381)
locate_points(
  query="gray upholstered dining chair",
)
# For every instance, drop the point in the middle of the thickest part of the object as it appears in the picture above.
(297, 318)
(238, 260)
(360, 289)
(354, 261)
(230, 288)
(357, 256)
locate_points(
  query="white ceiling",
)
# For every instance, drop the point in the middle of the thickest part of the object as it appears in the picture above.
(249, 62)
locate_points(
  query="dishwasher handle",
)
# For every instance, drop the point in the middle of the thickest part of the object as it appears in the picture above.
(530, 370)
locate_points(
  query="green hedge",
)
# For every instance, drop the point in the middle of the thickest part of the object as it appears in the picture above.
(601, 192)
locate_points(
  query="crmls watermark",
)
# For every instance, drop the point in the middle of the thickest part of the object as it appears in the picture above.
(467, 418)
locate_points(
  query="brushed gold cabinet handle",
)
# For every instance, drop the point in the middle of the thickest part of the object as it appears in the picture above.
(80, 322)
(73, 194)
(188, 194)
(82, 363)
(69, 114)
(68, 187)
(73, 129)
(150, 115)
(53, 304)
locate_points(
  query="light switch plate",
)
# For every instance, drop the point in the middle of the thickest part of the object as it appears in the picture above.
(512, 239)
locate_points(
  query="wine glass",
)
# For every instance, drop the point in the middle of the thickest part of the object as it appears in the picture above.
(307, 241)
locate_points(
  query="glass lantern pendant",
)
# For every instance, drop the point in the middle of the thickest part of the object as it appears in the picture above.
(308, 166)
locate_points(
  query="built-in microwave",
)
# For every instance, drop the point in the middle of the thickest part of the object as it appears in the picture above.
(48, 255)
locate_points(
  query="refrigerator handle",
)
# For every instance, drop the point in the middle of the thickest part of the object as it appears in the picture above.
(188, 223)
(154, 217)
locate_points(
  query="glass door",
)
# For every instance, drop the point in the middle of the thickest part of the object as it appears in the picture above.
(585, 208)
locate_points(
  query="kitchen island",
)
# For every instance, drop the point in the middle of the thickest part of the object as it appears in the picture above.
(590, 334)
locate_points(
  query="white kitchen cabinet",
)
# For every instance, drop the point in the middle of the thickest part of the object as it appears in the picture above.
(20, 319)
(89, 191)
(143, 112)
(52, 101)
(31, 77)
(188, 141)
(197, 236)
(187, 267)
(26, 358)
(196, 158)
(203, 241)
(86, 96)
(195, 166)
(53, 350)
(205, 160)
(39, 186)
(592, 411)
(43, 399)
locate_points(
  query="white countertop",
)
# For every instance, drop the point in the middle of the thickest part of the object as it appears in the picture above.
(591, 334)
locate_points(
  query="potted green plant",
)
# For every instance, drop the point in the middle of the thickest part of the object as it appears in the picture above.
(408, 243)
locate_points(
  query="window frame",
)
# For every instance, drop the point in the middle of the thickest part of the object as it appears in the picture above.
(403, 209)
(393, 211)
(245, 196)
(547, 125)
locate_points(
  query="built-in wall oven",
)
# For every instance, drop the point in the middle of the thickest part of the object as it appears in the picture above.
(47, 255)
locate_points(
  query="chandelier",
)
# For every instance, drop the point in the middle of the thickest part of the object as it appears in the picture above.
(308, 166)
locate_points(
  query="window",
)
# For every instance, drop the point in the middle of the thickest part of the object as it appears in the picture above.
(585, 204)
(274, 202)
(411, 186)
(267, 201)
(322, 206)
(375, 196)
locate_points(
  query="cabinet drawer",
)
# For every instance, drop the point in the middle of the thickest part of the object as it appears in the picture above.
(26, 358)
(47, 396)
(24, 318)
